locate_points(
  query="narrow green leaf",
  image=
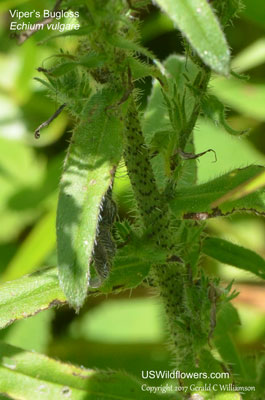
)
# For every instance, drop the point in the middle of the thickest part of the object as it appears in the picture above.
(29, 295)
(198, 23)
(62, 69)
(89, 61)
(197, 202)
(179, 72)
(250, 57)
(156, 122)
(246, 98)
(94, 153)
(214, 109)
(44, 83)
(227, 322)
(126, 44)
(232, 254)
(27, 375)
(83, 31)
(33, 293)
(140, 70)
(250, 186)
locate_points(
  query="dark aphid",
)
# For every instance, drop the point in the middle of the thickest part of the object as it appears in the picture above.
(47, 123)
(105, 248)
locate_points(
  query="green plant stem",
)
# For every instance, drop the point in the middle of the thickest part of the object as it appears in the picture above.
(169, 277)
(152, 207)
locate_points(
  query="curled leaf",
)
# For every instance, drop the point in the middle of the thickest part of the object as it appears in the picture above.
(214, 109)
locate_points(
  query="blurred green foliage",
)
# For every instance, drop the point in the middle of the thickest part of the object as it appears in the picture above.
(128, 332)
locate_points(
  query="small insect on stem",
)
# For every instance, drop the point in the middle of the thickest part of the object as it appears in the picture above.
(191, 156)
(46, 123)
(40, 69)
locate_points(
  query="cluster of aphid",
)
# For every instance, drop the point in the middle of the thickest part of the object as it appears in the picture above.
(104, 246)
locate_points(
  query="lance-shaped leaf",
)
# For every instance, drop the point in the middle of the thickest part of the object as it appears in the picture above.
(180, 72)
(232, 254)
(94, 153)
(26, 375)
(198, 23)
(252, 185)
(88, 61)
(29, 295)
(125, 44)
(156, 120)
(85, 30)
(227, 321)
(215, 111)
(198, 202)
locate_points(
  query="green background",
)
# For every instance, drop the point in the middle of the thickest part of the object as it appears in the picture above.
(127, 331)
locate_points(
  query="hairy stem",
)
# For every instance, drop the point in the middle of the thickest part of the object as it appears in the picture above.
(152, 208)
(169, 278)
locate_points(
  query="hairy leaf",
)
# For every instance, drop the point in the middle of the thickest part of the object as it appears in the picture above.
(245, 188)
(26, 375)
(83, 31)
(180, 73)
(198, 23)
(132, 264)
(140, 70)
(89, 61)
(29, 295)
(26, 296)
(227, 321)
(215, 110)
(197, 202)
(44, 83)
(93, 155)
(126, 44)
(232, 254)
(157, 128)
